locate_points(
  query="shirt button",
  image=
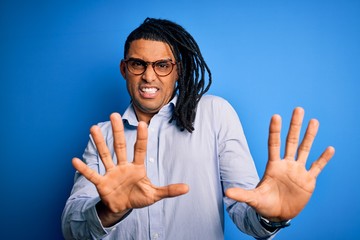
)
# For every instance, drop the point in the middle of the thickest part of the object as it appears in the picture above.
(155, 236)
(151, 160)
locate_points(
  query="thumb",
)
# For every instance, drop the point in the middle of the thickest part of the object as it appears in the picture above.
(240, 195)
(172, 190)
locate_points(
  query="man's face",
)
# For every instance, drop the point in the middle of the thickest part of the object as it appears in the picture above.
(149, 91)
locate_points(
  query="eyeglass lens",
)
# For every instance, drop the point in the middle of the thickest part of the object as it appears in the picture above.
(161, 67)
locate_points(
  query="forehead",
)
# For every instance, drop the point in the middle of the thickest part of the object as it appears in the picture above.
(149, 50)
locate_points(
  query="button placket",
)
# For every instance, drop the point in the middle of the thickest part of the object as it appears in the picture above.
(155, 236)
(155, 210)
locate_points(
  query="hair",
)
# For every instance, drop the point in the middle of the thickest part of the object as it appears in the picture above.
(192, 68)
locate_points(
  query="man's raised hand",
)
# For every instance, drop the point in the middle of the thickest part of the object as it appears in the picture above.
(287, 185)
(125, 185)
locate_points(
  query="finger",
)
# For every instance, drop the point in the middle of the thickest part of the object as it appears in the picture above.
(87, 172)
(141, 143)
(101, 147)
(319, 164)
(305, 146)
(172, 190)
(274, 140)
(119, 138)
(292, 139)
(241, 195)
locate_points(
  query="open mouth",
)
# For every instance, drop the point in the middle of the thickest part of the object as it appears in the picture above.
(149, 90)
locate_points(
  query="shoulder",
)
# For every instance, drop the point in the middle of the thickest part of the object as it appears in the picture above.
(218, 109)
(106, 129)
(212, 99)
(104, 125)
(215, 103)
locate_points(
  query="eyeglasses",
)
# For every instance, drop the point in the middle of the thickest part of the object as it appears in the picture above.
(138, 66)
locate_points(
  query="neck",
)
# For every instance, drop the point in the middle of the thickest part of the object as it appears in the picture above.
(143, 116)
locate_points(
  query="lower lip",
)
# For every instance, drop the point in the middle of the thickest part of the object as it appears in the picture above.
(148, 95)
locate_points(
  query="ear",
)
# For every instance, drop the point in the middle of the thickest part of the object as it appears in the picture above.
(123, 69)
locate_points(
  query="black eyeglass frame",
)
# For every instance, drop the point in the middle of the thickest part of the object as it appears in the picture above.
(146, 64)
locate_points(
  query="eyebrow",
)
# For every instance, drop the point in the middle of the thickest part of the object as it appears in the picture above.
(142, 60)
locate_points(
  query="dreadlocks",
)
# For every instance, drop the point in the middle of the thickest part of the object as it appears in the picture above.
(191, 84)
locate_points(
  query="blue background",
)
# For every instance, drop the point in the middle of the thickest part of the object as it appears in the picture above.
(59, 75)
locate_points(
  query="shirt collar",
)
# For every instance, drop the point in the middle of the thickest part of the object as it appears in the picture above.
(129, 115)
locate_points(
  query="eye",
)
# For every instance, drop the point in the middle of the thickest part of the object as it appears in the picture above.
(137, 63)
(163, 65)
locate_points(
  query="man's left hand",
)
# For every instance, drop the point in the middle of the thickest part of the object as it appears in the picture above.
(287, 185)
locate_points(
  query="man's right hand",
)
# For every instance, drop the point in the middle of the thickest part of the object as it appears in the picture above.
(125, 185)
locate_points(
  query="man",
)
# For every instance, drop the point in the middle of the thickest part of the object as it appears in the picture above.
(189, 151)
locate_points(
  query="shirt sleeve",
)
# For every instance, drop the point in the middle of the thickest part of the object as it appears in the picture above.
(237, 169)
(79, 218)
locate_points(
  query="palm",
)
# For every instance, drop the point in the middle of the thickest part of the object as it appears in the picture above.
(125, 184)
(285, 182)
(286, 186)
(128, 185)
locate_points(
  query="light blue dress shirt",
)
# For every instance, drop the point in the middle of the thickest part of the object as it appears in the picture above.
(211, 159)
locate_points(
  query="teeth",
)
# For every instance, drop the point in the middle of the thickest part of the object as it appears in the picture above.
(149, 90)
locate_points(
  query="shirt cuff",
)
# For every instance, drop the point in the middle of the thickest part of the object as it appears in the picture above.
(261, 231)
(94, 222)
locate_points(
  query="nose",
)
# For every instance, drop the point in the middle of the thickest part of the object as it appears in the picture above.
(149, 75)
